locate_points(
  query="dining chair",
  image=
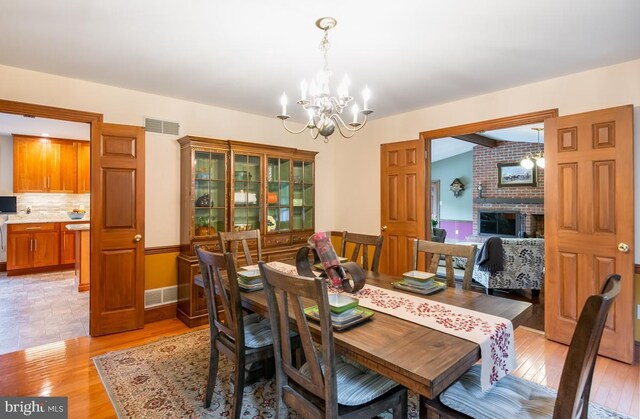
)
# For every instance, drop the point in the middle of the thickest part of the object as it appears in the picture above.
(362, 241)
(327, 385)
(230, 241)
(245, 339)
(517, 397)
(449, 252)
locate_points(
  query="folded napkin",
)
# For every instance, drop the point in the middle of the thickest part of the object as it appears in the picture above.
(321, 242)
(490, 257)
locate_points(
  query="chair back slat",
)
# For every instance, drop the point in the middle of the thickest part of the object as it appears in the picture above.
(575, 382)
(284, 296)
(362, 241)
(232, 239)
(435, 250)
(217, 284)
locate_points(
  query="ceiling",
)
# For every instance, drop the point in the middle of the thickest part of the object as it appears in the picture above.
(18, 124)
(444, 148)
(243, 54)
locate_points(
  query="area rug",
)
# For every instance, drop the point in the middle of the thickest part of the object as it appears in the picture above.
(168, 379)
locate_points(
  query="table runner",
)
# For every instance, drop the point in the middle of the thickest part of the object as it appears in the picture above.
(493, 334)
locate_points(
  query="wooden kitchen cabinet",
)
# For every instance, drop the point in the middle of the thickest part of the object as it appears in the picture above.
(50, 165)
(84, 167)
(29, 172)
(67, 246)
(34, 245)
(62, 161)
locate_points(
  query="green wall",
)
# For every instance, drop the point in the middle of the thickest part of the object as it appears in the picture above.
(461, 167)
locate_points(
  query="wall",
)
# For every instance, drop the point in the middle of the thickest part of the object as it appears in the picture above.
(485, 169)
(455, 213)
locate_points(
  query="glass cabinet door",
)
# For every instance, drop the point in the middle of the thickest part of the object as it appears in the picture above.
(209, 193)
(278, 194)
(246, 194)
(302, 195)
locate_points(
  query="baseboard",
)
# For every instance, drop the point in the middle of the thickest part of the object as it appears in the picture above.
(158, 313)
(636, 352)
(42, 269)
(83, 287)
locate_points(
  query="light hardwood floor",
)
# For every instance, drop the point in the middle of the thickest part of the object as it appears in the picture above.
(66, 369)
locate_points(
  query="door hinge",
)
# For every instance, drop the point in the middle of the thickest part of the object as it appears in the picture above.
(426, 154)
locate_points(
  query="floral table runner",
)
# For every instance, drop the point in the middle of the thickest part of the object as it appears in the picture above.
(493, 334)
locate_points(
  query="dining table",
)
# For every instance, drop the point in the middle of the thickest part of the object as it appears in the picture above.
(424, 360)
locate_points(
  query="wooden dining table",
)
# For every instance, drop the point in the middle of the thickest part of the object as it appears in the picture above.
(423, 360)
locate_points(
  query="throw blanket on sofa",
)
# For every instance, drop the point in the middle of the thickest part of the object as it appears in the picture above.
(490, 257)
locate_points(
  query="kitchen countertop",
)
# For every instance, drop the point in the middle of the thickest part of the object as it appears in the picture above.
(53, 219)
(78, 227)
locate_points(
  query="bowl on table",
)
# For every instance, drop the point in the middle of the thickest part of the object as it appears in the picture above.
(75, 215)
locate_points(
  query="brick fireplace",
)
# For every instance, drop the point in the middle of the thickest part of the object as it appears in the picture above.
(528, 200)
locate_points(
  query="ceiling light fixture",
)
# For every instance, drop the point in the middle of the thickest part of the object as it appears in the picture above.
(534, 159)
(322, 109)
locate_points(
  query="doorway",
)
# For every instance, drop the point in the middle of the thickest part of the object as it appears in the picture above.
(45, 188)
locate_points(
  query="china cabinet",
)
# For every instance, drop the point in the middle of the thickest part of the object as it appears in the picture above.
(229, 185)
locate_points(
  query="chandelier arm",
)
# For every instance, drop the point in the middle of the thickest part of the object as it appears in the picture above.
(284, 124)
(351, 131)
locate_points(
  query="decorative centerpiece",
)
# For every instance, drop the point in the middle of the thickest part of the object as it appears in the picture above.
(349, 276)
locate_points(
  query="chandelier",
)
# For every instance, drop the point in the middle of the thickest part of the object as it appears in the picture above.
(534, 159)
(323, 110)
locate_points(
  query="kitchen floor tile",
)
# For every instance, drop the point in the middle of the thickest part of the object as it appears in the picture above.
(39, 309)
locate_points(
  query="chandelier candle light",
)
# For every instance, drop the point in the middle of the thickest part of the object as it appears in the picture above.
(534, 159)
(324, 110)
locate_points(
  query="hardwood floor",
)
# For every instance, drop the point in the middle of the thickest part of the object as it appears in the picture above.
(66, 369)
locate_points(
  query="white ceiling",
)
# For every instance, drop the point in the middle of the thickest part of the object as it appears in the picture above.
(242, 54)
(18, 124)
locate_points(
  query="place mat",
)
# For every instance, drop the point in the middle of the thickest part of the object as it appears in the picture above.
(493, 334)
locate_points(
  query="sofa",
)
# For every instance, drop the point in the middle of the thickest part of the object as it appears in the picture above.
(523, 267)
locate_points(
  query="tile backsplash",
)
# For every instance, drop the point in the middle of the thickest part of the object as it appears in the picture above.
(50, 204)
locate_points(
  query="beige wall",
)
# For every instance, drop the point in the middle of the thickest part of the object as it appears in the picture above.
(6, 165)
(162, 165)
(596, 89)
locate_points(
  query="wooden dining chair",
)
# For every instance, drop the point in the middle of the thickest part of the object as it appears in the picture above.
(231, 240)
(449, 251)
(516, 397)
(245, 339)
(327, 385)
(362, 241)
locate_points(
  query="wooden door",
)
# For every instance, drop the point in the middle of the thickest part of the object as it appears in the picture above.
(19, 247)
(402, 170)
(29, 172)
(45, 249)
(588, 213)
(84, 166)
(62, 162)
(117, 229)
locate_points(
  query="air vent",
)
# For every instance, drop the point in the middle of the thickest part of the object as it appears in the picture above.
(161, 127)
(152, 297)
(159, 296)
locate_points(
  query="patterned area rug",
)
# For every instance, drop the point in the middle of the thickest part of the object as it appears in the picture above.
(168, 379)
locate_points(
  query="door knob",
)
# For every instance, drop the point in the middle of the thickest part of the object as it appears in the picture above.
(383, 228)
(623, 247)
(137, 238)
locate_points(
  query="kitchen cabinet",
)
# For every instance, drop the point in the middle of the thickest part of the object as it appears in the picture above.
(33, 245)
(84, 167)
(50, 165)
(68, 243)
(229, 185)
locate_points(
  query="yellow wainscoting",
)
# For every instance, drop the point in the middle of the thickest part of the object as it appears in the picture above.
(160, 270)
